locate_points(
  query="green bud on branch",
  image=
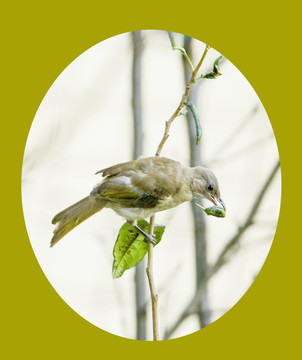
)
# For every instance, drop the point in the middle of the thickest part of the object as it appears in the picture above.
(215, 72)
(213, 210)
(194, 112)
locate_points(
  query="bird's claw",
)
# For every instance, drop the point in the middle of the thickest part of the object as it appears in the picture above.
(150, 239)
(147, 237)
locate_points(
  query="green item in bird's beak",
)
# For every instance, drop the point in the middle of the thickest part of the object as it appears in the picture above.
(213, 210)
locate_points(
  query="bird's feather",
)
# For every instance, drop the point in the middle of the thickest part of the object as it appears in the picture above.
(141, 183)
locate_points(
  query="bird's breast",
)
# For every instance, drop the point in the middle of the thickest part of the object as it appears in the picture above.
(135, 213)
(132, 213)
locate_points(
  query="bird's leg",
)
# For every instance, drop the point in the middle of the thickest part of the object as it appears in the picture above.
(147, 237)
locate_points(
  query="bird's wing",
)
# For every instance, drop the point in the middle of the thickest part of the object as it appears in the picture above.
(141, 183)
(143, 164)
(118, 168)
(119, 189)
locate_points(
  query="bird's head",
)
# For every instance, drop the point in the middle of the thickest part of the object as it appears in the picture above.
(205, 185)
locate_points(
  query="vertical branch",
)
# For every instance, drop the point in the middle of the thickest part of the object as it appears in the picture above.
(198, 216)
(140, 279)
(137, 42)
(153, 293)
(176, 113)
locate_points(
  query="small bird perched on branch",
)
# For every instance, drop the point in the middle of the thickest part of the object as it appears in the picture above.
(137, 190)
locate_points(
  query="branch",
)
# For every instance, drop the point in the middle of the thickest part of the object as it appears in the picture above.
(241, 152)
(222, 258)
(182, 103)
(193, 305)
(140, 278)
(153, 293)
(230, 139)
(136, 101)
(199, 220)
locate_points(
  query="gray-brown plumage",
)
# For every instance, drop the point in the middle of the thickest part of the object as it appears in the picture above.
(138, 189)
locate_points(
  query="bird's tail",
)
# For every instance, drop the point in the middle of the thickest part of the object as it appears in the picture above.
(69, 218)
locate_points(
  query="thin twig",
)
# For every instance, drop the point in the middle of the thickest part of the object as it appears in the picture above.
(153, 293)
(182, 103)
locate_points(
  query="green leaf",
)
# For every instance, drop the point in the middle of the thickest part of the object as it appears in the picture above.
(216, 69)
(215, 72)
(209, 76)
(130, 248)
(213, 210)
(181, 49)
(194, 112)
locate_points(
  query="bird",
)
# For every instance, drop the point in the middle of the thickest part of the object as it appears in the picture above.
(138, 189)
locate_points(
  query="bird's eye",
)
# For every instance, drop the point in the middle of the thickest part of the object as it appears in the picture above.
(210, 187)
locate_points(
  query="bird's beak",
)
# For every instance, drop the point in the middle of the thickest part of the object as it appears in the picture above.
(214, 201)
(222, 203)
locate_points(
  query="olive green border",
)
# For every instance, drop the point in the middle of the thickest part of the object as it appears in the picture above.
(38, 40)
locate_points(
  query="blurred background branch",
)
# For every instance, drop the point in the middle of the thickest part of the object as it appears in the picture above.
(223, 257)
(199, 222)
(240, 127)
(229, 249)
(140, 273)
